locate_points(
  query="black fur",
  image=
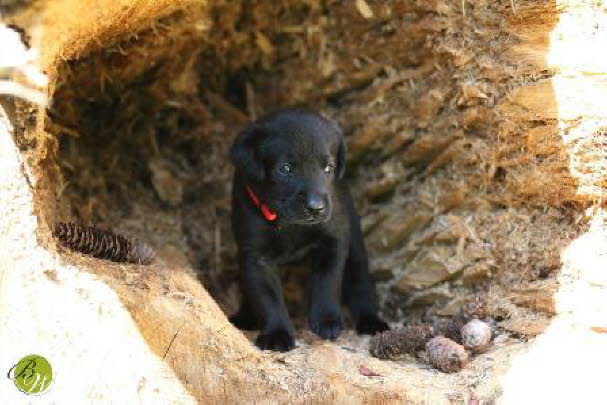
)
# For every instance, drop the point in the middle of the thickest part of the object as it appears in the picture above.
(316, 220)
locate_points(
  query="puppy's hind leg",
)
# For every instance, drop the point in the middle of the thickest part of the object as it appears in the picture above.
(358, 291)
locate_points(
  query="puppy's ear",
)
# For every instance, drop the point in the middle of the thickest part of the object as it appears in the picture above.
(340, 168)
(243, 153)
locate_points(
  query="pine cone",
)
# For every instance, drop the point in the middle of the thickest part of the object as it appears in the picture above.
(446, 355)
(476, 335)
(392, 344)
(103, 244)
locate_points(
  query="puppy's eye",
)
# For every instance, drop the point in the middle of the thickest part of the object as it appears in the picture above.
(328, 168)
(286, 168)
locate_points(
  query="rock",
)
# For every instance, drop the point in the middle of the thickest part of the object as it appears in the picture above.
(432, 265)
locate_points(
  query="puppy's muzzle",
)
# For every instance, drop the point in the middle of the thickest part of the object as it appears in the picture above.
(316, 207)
(316, 204)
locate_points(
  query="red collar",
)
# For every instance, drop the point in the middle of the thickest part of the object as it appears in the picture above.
(267, 213)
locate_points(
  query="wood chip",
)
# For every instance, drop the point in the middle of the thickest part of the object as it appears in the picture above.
(364, 9)
(264, 43)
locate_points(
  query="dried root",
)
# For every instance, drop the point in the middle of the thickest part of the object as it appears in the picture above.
(392, 344)
(103, 244)
(446, 355)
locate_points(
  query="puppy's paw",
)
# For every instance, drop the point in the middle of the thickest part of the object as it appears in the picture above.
(370, 325)
(328, 327)
(244, 320)
(279, 341)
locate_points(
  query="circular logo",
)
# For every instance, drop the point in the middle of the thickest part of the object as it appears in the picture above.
(32, 374)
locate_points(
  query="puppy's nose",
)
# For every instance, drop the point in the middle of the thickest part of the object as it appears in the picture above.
(315, 203)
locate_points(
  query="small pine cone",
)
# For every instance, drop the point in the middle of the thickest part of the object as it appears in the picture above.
(102, 244)
(446, 355)
(392, 344)
(476, 335)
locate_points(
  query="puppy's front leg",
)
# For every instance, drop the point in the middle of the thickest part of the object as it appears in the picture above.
(262, 288)
(324, 313)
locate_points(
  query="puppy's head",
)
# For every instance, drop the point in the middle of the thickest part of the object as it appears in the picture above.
(292, 158)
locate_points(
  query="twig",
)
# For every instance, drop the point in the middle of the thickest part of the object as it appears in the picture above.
(172, 340)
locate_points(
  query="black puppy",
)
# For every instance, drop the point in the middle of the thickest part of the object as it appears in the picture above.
(290, 202)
